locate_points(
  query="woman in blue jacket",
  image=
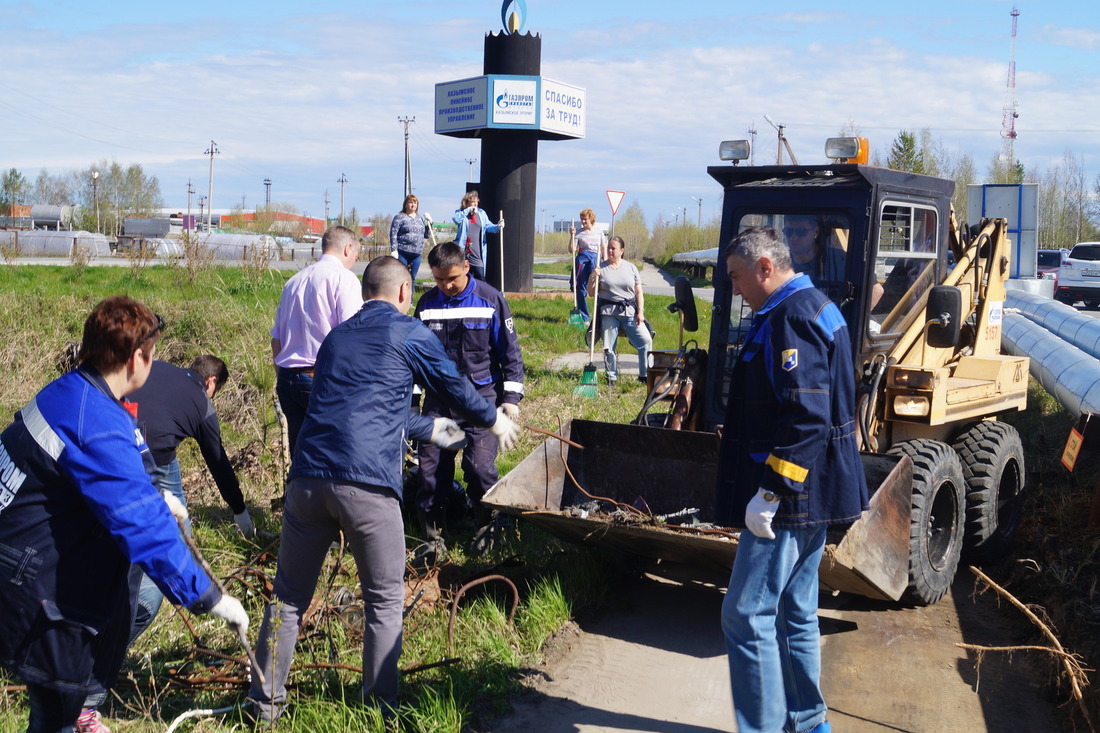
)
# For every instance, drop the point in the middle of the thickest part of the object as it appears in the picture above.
(77, 510)
(473, 224)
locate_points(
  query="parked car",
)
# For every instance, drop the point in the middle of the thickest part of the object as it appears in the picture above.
(1049, 262)
(1079, 276)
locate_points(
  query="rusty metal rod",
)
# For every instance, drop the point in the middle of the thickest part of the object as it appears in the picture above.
(552, 434)
(201, 560)
(468, 586)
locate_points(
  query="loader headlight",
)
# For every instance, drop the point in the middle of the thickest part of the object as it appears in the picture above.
(912, 379)
(906, 405)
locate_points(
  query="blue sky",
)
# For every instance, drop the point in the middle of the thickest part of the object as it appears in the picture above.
(301, 93)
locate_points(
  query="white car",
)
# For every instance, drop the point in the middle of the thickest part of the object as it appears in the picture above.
(1079, 276)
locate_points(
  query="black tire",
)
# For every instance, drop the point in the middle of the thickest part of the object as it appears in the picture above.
(1092, 304)
(936, 524)
(993, 466)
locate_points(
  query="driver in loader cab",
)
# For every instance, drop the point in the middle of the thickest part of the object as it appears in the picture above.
(788, 467)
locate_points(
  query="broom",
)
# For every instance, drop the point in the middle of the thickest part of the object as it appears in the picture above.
(576, 318)
(588, 386)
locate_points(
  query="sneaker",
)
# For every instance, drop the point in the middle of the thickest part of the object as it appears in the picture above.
(90, 722)
(642, 379)
(611, 382)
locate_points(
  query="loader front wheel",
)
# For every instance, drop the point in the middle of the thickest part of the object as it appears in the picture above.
(993, 465)
(936, 522)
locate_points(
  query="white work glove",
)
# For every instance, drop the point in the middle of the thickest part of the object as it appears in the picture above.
(179, 511)
(506, 431)
(501, 223)
(428, 218)
(393, 253)
(512, 411)
(230, 610)
(447, 435)
(244, 523)
(758, 516)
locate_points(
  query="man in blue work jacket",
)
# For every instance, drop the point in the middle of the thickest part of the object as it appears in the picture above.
(788, 468)
(474, 324)
(346, 477)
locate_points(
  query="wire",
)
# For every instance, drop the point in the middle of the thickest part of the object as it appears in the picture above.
(200, 712)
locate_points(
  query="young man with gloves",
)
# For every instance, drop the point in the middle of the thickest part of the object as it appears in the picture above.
(788, 468)
(347, 477)
(473, 321)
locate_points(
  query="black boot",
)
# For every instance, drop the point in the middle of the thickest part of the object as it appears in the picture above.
(434, 549)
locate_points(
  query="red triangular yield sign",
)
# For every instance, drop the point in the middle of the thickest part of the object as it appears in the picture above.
(615, 198)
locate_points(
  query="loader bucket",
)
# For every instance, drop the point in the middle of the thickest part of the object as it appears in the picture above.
(667, 471)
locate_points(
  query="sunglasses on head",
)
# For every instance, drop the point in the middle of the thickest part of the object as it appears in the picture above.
(158, 327)
(797, 231)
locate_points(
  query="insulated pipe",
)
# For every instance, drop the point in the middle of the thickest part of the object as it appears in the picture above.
(1068, 373)
(1066, 322)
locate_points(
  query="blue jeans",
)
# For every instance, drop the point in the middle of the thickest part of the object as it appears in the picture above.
(293, 389)
(582, 270)
(411, 261)
(639, 339)
(166, 478)
(769, 618)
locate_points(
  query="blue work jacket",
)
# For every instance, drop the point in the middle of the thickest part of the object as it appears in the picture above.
(479, 335)
(359, 416)
(76, 508)
(790, 418)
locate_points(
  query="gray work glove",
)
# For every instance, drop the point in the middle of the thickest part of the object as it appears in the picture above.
(511, 410)
(759, 514)
(179, 511)
(447, 435)
(244, 523)
(230, 610)
(505, 430)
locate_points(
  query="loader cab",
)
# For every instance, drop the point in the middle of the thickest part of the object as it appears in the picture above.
(879, 244)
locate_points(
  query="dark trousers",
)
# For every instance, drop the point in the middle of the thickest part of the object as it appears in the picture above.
(52, 711)
(293, 389)
(477, 272)
(437, 466)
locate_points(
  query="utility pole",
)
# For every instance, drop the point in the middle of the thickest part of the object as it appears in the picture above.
(95, 197)
(212, 151)
(782, 143)
(699, 221)
(470, 169)
(202, 205)
(543, 229)
(752, 142)
(684, 221)
(267, 192)
(326, 208)
(190, 191)
(406, 121)
(342, 181)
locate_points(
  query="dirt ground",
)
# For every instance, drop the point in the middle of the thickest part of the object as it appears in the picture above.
(657, 663)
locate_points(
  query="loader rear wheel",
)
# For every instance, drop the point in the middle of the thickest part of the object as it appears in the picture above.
(993, 465)
(936, 522)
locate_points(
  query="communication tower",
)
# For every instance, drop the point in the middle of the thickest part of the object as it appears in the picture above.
(1008, 122)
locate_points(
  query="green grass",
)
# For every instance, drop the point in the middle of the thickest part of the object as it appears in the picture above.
(228, 312)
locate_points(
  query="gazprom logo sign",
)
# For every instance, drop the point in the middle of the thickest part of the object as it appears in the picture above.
(513, 15)
(510, 102)
(514, 101)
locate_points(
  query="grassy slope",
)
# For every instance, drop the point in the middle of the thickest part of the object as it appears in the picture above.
(228, 312)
